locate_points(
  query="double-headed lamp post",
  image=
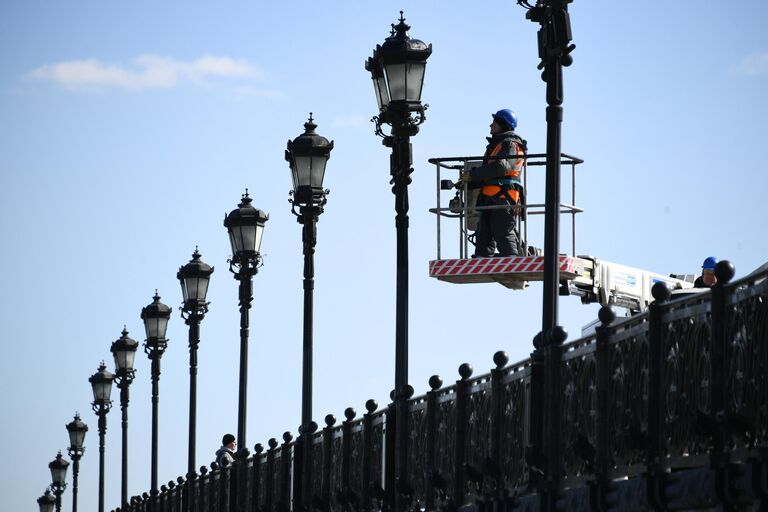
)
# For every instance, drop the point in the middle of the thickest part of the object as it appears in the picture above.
(245, 226)
(46, 501)
(307, 156)
(124, 350)
(76, 429)
(58, 469)
(397, 69)
(101, 384)
(194, 278)
(155, 317)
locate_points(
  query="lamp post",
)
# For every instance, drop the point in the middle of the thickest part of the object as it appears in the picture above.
(101, 384)
(76, 429)
(124, 350)
(307, 156)
(245, 225)
(554, 38)
(58, 469)
(155, 317)
(46, 502)
(397, 69)
(194, 278)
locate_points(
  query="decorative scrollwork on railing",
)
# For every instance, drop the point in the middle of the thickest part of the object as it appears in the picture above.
(417, 453)
(514, 437)
(445, 437)
(477, 443)
(579, 408)
(684, 376)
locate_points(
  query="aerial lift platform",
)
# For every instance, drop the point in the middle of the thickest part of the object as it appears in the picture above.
(587, 277)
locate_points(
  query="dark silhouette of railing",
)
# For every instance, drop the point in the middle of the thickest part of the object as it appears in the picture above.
(667, 410)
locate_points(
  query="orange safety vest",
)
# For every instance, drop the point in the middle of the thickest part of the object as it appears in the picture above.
(513, 173)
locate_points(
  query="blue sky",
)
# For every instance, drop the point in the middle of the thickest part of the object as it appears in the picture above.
(128, 131)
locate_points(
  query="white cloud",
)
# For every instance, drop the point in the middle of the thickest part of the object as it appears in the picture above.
(146, 72)
(754, 64)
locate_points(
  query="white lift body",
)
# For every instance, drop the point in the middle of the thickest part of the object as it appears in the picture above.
(585, 276)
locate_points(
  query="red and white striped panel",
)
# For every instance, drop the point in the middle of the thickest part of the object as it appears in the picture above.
(506, 265)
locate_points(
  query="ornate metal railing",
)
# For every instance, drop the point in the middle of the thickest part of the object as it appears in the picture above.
(667, 410)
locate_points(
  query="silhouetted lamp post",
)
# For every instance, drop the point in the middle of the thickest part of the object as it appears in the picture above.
(76, 429)
(397, 69)
(155, 317)
(101, 384)
(46, 502)
(245, 225)
(194, 278)
(307, 156)
(58, 469)
(124, 350)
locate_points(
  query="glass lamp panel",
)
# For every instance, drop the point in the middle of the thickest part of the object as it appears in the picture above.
(76, 438)
(46, 502)
(102, 390)
(259, 234)
(382, 93)
(294, 176)
(130, 355)
(415, 81)
(303, 170)
(244, 239)
(150, 326)
(396, 79)
(59, 475)
(162, 327)
(317, 171)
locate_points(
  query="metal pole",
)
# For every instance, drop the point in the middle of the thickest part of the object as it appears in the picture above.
(102, 414)
(245, 275)
(155, 356)
(400, 168)
(401, 176)
(193, 321)
(309, 218)
(75, 471)
(124, 385)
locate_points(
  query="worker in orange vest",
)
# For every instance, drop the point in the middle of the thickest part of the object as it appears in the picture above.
(499, 182)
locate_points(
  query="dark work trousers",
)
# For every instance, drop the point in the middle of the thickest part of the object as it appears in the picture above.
(495, 228)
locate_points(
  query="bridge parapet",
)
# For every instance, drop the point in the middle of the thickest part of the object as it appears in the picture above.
(666, 409)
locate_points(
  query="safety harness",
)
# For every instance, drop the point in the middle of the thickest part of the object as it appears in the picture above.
(507, 187)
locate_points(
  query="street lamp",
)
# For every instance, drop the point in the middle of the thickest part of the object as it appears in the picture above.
(194, 278)
(46, 502)
(76, 429)
(155, 317)
(307, 156)
(245, 225)
(397, 69)
(58, 469)
(124, 350)
(101, 384)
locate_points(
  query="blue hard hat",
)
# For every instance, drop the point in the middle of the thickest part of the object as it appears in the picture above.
(507, 116)
(709, 263)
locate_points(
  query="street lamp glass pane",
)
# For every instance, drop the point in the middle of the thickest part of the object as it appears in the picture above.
(382, 94)
(396, 78)
(156, 327)
(124, 359)
(245, 239)
(59, 475)
(102, 391)
(46, 503)
(76, 438)
(415, 81)
(310, 170)
(195, 290)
